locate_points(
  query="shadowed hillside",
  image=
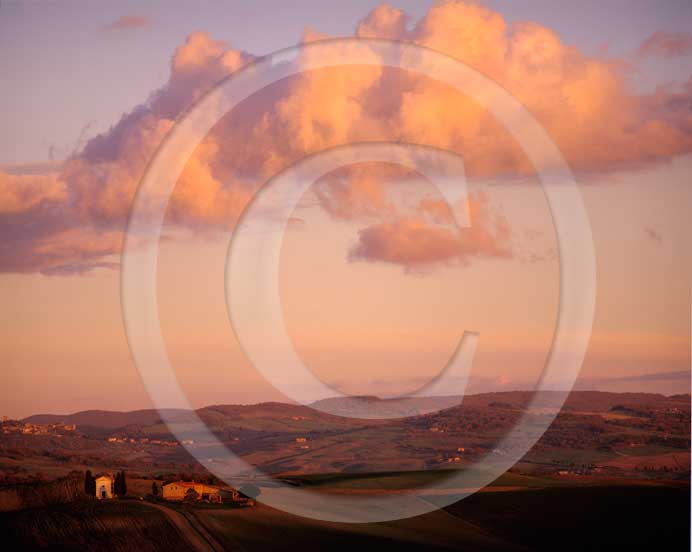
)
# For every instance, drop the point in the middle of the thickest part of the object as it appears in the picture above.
(33, 495)
(89, 525)
(584, 518)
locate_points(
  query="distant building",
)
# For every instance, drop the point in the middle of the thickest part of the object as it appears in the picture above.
(104, 487)
(178, 490)
(301, 439)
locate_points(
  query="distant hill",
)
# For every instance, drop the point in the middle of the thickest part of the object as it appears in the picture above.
(105, 419)
(581, 401)
(374, 407)
(281, 417)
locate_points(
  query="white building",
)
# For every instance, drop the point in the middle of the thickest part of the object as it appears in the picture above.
(104, 487)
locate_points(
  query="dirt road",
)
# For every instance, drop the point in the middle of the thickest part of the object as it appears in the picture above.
(191, 530)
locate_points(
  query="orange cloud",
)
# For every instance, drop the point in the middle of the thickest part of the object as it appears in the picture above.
(20, 193)
(666, 45)
(42, 239)
(583, 102)
(360, 191)
(73, 221)
(413, 243)
(383, 22)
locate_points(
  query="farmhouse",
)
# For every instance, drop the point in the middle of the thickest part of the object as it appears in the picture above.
(104, 487)
(179, 490)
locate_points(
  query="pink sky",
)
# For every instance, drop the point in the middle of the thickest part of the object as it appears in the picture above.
(377, 286)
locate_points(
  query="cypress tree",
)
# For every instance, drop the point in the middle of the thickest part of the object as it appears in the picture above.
(117, 484)
(89, 483)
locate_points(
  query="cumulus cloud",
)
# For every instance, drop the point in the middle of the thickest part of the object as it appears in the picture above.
(667, 45)
(44, 238)
(73, 221)
(360, 191)
(20, 193)
(127, 22)
(583, 102)
(383, 22)
(413, 243)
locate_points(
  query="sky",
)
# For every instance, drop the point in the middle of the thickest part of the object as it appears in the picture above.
(377, 285)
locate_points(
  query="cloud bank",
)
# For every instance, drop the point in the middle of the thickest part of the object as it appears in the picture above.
(72, 221)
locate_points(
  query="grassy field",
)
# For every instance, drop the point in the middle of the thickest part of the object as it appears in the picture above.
(581, 519)
(535, 518)
(265, 529)
(413, 479)
(608, 518)
(91, 525)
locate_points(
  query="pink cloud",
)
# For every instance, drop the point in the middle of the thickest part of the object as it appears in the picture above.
(413, 243)
(127, 22)
(583, 102)
(666, 45)
(383, 22)
(19, 193)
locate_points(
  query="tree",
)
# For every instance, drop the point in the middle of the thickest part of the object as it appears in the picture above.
(116, 484)
(120, 485)
(154, 489)
(191, 495)
(89, 483)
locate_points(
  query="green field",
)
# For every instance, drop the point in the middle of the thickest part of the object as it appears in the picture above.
(412, 479)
